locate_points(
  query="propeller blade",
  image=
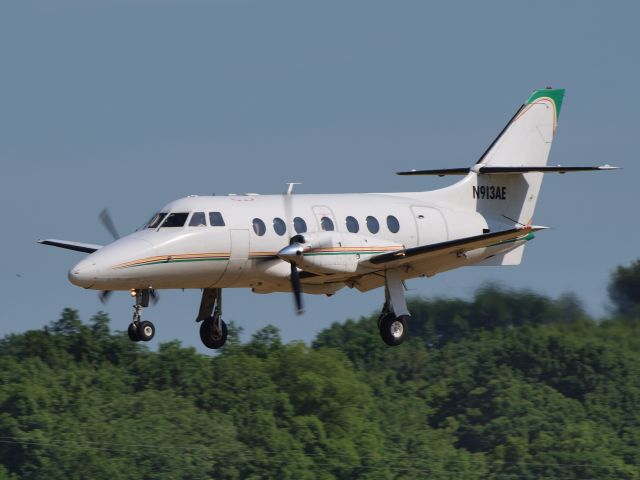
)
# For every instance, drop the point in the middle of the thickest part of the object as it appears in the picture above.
(155, 296)
(104, 296)
(107, 221)
(295, 287)
(293, 252)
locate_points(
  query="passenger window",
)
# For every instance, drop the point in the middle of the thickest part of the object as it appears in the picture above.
(175, 220)
(157, 218)
(259, 227)
(279, 226)
(299, 225)
(372, 224)
(392, 224)
(326, 224)
(198, 220)
(352, 224)
(215, 219)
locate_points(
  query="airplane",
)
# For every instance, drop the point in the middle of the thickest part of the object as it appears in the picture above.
(319, 244)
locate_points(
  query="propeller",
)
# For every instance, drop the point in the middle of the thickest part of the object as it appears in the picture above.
(104, 296)
(292, 252)
(295, 286)
(107, 222)
(155, 296)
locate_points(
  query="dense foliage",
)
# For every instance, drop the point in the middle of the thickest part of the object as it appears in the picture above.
(508, 385)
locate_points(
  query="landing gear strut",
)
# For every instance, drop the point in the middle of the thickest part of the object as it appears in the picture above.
(141, 330)
(392, 321)
(213, 330)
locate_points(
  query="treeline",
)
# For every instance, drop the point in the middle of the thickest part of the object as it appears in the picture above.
(508, 385)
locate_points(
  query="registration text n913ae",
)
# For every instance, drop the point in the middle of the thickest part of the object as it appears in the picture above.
(490, 192)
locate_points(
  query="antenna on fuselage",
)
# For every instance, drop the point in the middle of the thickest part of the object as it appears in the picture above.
(290, 187)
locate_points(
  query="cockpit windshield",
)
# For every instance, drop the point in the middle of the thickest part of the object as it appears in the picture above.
(175, 219)
(156, 219)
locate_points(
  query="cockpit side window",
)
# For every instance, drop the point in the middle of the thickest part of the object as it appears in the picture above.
(156, 219)
(198, 220)
(215, 219)
(175, 219)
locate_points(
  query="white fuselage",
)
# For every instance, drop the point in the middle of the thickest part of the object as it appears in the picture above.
(239, 254)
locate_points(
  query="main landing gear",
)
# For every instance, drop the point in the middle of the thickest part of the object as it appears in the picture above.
(213, 330)
(141, 330)
(392, 321)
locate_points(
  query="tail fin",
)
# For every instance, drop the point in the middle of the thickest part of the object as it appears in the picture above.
(504, 184)
(524, 142)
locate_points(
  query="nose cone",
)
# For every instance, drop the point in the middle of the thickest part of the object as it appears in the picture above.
(84, 274)
(105, 268)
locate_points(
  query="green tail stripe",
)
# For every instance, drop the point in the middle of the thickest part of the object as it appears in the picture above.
(555, 94)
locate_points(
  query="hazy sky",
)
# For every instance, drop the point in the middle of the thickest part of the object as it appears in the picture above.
(133, 104)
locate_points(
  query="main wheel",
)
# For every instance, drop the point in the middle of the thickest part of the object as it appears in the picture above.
(393, 330)
(211, 336)
(132, 331)
(146, 331)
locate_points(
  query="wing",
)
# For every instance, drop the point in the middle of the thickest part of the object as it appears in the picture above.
(421, 260)
(451, 247)
(76, 246)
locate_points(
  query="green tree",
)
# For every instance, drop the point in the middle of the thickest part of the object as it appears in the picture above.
(509, 384)
(624, 289)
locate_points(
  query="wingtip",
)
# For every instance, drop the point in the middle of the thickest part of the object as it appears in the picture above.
(609, 167)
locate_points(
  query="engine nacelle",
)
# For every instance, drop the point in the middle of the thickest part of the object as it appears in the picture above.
(334, 252)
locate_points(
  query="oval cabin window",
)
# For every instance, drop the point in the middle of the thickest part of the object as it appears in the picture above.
(259, 228)
(352, 224)
(326, 224)
(393, 224)
(372, 224)
(279, 226)
(299, 225)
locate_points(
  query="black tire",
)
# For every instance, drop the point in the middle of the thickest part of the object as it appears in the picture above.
(209, 334)
(146, 331)
(393, 330)
(132, 331)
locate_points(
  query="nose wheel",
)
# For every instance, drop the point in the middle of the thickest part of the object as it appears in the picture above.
(141, 330)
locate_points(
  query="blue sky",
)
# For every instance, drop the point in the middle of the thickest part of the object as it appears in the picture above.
(133, 104)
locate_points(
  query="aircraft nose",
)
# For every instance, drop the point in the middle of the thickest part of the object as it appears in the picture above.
(84, 274)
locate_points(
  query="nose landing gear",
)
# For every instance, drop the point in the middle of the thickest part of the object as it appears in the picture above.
(140, 330)
(213, 330)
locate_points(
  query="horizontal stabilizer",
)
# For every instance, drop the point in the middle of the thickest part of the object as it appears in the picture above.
(441, 172)
(457, 246)
(76, 246)
(496, 170)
